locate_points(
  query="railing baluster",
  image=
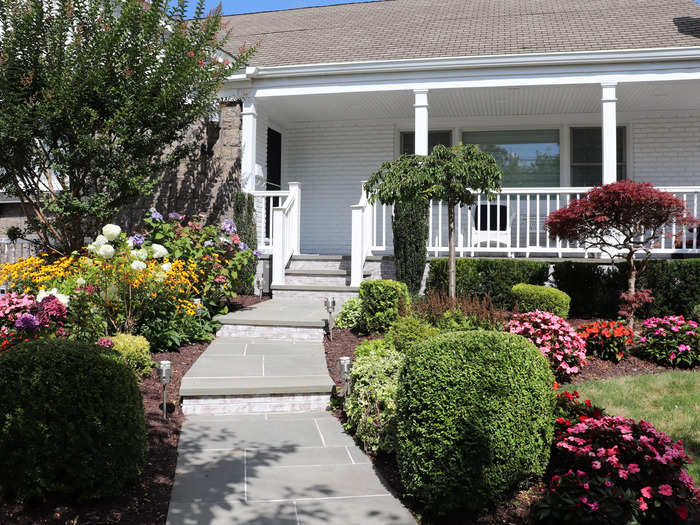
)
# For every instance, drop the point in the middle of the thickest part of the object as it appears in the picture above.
(527, 224)
(517, 221)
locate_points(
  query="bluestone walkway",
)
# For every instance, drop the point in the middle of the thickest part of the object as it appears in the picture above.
(271, 469)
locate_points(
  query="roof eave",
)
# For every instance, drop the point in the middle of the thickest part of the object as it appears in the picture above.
(470, 62)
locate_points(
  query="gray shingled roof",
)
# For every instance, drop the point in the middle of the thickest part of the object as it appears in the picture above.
(396, 29)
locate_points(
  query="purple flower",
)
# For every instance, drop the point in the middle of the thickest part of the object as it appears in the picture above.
(137, 239)
(229, 227)
(155, 215)
(27, 322)
(257, 253)
(243, 246)
(175, 216)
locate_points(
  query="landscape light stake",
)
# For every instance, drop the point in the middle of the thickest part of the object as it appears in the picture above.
(344, 367)
(165, 373)
(329, 303)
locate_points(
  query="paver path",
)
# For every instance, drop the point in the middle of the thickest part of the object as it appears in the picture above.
(274, 469)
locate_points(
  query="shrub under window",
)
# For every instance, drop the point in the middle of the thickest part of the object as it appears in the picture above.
(531, 297)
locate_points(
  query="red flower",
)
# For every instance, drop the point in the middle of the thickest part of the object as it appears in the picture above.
(682, 512)
(588, 402)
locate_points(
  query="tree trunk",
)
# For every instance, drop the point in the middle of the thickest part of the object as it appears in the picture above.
(631, 290)
(451, 241)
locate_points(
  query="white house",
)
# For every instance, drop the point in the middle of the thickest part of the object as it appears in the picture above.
(566, 94)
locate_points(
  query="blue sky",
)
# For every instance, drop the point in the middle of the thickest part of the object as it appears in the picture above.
(232, 7)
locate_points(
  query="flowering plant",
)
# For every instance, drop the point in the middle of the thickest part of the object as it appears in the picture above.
(23, 316)
(617, 470)
(606, 339)
(226, 263)
(671, 340)
(555, 338)
(569, 410)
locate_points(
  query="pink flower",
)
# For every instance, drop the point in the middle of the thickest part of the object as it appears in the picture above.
(633, 468)
(642, 504)
(665, 490)
(596, 465)
(622, 473)
(646, 492)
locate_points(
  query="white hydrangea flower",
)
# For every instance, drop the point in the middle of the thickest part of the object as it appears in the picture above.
(111, 231)
(92, 247)
(166, 267)
(100, 240)
(106, 251)
(43, 294)
(140, 254)
(138, 265)
(80, 281)
(159, 251)
(130, 243)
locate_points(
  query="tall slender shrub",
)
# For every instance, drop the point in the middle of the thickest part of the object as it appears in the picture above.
(410, 227)
(244, 217)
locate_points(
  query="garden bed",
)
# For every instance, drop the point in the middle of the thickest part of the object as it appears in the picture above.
(146, 502)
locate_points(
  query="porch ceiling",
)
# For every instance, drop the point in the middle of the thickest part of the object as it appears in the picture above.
(484, 102)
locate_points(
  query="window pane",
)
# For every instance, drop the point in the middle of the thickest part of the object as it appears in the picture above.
(528, 158)
(434, 138)
(587, 156)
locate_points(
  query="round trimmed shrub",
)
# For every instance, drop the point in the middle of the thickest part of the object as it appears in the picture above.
(382, 300)
(475, 418)
(136, 352)
(406, 331)
(72, 421)
(531, 297)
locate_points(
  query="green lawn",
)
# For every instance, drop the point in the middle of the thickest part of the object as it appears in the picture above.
(671, 401)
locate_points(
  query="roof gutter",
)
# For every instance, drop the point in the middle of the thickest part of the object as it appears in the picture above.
(620, 56)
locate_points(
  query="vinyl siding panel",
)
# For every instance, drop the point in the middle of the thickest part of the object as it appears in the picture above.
(330, 161)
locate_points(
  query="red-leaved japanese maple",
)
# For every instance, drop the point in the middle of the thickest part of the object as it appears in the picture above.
(625, 220)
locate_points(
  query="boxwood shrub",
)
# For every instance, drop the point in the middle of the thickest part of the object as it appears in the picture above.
(406, 331)
(382, 303)
(475, 418)
(492, 277)
(409, 225)
(72, 421)
(531, 297)
(371, 405)
(135, 351)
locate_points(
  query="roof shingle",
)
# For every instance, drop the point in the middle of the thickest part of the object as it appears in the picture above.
(399, 29)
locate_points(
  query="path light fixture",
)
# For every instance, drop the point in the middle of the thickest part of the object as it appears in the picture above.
(260, 286)
(344, 368)
(329, 303)
(165, 373)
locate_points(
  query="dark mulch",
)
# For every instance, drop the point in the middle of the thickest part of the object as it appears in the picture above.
(243, 301)
(343, 345)
(146, 502)
(630, 365)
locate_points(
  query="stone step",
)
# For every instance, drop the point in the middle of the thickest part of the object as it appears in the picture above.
(300, 319)
(248, 375)
(319, 262)
(315, 293)
(326, 278)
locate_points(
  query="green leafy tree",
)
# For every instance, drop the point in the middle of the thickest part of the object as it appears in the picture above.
(96, 97)
(454, 175)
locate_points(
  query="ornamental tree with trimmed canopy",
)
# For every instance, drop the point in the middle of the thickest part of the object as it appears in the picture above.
(625, 220)
(96, 98)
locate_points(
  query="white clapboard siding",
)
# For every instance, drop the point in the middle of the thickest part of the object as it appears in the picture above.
(330, 161)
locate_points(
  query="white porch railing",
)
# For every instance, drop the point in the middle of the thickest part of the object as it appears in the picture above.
(286, 229)
(513, 224)
(362, 237)
(12, 251)
(265, 202)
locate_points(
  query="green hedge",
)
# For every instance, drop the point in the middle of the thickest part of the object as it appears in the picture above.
(482, 277)
(371, 405)
(244, 216)
(531, 297)
(475, 418)
(382, 303)
(410, 231)
(595, 287)
(72, 421)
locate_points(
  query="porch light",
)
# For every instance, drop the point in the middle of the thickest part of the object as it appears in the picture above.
(165, 373)
(259, 283)
(329, 303)
(344, 368)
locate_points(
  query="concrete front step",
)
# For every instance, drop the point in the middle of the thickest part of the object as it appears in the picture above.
(315, 292)
(319, 262)
(310, 277)
(248, 375)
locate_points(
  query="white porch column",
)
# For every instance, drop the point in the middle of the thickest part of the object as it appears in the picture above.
(421, 127)
(609, 110)
(249, 125)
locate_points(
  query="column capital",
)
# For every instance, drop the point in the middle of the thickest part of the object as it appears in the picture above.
(421, 98)
(608, 90)
(248, 101)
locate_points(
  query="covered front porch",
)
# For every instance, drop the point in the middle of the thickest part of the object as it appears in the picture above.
(306, 155)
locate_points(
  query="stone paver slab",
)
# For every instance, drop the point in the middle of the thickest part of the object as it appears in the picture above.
(333, 433)
(317, 384)
(232, 513)
(288, 458)
(377, 510)
(227, 367)
(296, 365)
(278, 312)
(246, 432)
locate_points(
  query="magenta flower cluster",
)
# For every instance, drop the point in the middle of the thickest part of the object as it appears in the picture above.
(21, 312)
(671, 341)
(620, 469)
(556, 339)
